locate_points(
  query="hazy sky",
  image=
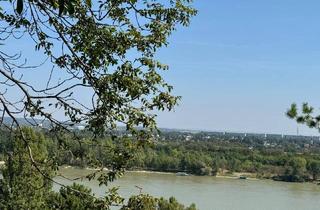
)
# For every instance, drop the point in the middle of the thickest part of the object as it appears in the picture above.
(241, 64)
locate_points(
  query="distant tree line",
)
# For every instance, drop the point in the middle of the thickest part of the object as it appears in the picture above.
(26, 187)
(212, 157)
(195, 157)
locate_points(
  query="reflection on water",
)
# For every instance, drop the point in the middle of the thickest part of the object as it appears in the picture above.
(210, 193)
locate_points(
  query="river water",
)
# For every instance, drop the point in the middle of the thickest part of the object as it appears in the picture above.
(210, 193)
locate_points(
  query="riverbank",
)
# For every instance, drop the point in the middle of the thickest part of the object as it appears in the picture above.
(226, 176)
(234, 175)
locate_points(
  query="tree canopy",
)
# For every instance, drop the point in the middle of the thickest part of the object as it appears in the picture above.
(106, 49)
(23, 187)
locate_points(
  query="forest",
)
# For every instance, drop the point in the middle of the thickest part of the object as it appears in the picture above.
(287, 161)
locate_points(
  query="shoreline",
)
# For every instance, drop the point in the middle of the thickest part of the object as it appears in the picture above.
(231, 176)
(174, 173)
(235, 175)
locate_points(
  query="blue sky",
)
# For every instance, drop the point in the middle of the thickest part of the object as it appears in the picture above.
(241, 64)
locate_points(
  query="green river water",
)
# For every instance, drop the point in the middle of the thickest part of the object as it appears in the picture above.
(210, 193)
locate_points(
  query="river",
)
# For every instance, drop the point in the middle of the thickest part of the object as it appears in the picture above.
(210, 193)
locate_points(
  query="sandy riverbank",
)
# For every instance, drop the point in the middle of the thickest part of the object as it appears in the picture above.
(235, 175)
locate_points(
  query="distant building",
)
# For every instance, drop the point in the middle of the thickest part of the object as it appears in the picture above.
(188, 138)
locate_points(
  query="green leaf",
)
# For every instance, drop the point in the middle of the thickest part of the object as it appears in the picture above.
(19, 6)
(306, 109)
(61, 7)
(70, 8)
(88, 2)
(292, 112)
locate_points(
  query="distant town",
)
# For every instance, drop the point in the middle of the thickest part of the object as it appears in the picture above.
(252, 140)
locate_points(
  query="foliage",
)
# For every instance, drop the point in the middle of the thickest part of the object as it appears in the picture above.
(79, 197)
(205, 157)
(306, 116)
(62, 5)
(104, 48)
(312, 120)
(147, 202)
(314, 168)
(23, 186)
(216, 156)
